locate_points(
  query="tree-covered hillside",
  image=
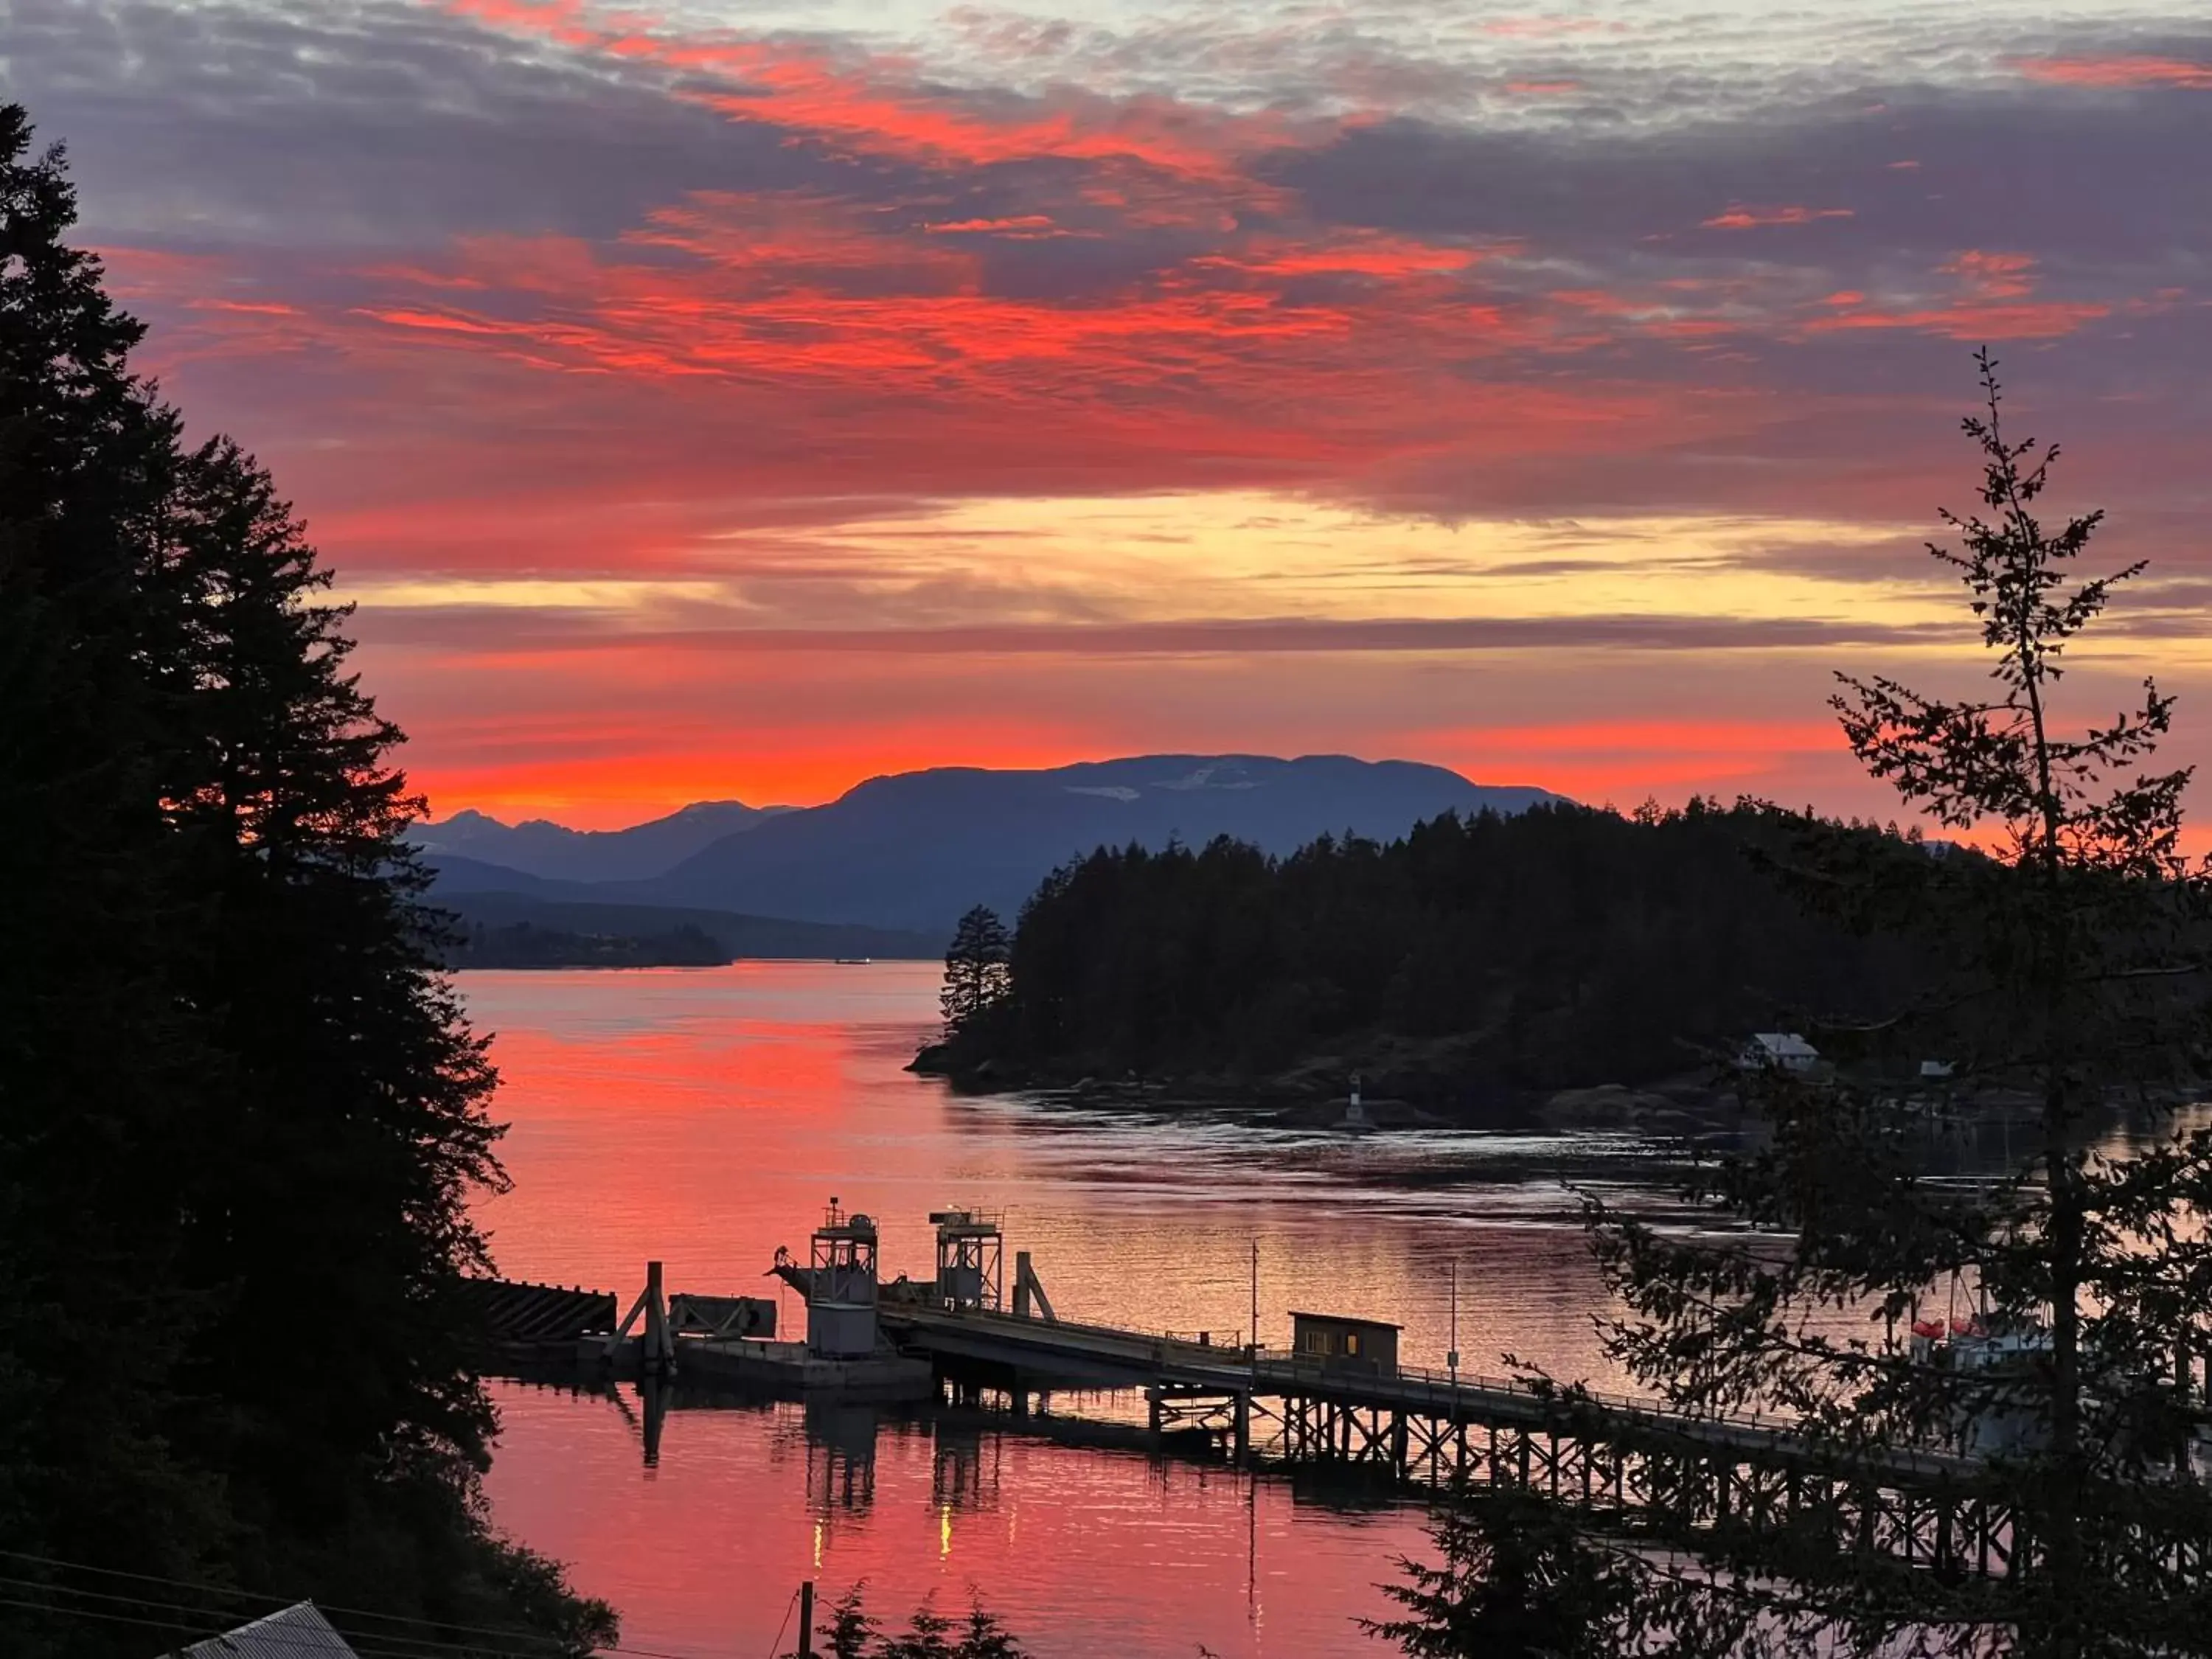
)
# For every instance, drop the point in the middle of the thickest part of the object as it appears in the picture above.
(241, 1117)
(1560, 947)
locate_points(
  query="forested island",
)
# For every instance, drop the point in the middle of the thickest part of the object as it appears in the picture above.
(1478, 963)
(525, 944)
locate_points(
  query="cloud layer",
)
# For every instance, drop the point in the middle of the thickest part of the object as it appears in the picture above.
(711, 402)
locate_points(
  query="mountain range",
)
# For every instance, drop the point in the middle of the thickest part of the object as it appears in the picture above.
(914, 850)
(538, 847)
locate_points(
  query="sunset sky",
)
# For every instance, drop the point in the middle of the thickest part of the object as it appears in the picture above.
(733, 400)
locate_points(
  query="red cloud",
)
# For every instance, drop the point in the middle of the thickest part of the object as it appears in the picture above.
(877, 106)
(1368, 254)
(731, 390)
(2046, 321)
(1023, 225)
(1749, 218)
(1993, 304)
(1992, 275)
(2119, 71)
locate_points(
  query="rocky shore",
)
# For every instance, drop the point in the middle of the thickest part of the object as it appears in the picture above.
(1416, 1086)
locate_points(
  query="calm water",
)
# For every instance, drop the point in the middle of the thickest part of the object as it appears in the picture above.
(704, 1116)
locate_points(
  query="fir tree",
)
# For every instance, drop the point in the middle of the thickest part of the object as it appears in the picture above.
(241, 1117)
(986, 1636)
(850, 1632)
(976, 972)
(1516, 1581)
(929, 1634)
(98, 1060)
(2076, 943)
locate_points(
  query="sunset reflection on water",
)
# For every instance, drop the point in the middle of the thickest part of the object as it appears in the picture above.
(702, 1117)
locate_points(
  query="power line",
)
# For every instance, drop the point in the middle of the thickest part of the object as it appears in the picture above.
(229, 1620)
(226, 1592)
(195, 1632)
(784, 1627)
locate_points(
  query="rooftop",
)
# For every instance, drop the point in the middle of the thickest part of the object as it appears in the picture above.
(299, 1632)
(1349, 1319)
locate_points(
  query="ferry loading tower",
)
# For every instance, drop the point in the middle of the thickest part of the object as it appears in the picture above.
(971, 1261)
(841, 1296)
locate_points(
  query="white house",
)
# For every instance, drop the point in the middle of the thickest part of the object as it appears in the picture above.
(1786, 1050)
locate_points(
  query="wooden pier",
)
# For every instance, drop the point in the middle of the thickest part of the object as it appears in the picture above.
(1257, 1404)
(1650, 1471)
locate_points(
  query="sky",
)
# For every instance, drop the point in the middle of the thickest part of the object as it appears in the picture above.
(721, 400)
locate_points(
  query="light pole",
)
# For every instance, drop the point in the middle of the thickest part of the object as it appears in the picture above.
(1253, 1333)
(1451, 1359)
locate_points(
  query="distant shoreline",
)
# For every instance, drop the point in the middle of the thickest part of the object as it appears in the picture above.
(631, 967)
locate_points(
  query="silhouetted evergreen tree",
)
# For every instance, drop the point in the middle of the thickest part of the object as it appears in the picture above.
(2077, 974)
(975, 971)
(849, 1633)
(240, 1115)
(848, 1630)
(1515, 1580)
(100, 1060)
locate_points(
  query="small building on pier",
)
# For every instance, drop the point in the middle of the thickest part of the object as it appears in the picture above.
(1367, 1345)
(841, 1296)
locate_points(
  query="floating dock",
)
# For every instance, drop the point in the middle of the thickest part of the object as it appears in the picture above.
(793, 1368)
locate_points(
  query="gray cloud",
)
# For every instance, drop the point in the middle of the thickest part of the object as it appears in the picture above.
(584, 630)
(368, 124)
(314, 143)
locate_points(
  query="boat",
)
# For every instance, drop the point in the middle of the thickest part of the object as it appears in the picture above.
(851, 962)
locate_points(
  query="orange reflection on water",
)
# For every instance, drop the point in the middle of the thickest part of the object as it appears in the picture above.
(702, 1117)
(1083, 1553)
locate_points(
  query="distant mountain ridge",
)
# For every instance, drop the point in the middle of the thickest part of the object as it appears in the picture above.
(741, 936)
(914, 849)
(538, 847)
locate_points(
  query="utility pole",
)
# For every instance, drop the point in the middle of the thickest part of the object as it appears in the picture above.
(1255, 1307)
(1243, 1407)
(1452, 1357)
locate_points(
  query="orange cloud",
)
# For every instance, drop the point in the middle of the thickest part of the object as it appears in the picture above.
(792, 291)
(1751, 218)
(1994, 305)
(649, 775)
(1646, 736)
(139, 273)
(1361, 255)
(2047, 321)
(621, 493)
(1020, 225)
(1992, 275)
(1623, 761)
(2119, 71)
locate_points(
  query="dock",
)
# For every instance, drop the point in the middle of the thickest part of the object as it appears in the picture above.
(1336, 1397)
(1651, 1471)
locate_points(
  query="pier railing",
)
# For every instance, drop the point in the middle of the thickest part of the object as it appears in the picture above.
(1177, 1361)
